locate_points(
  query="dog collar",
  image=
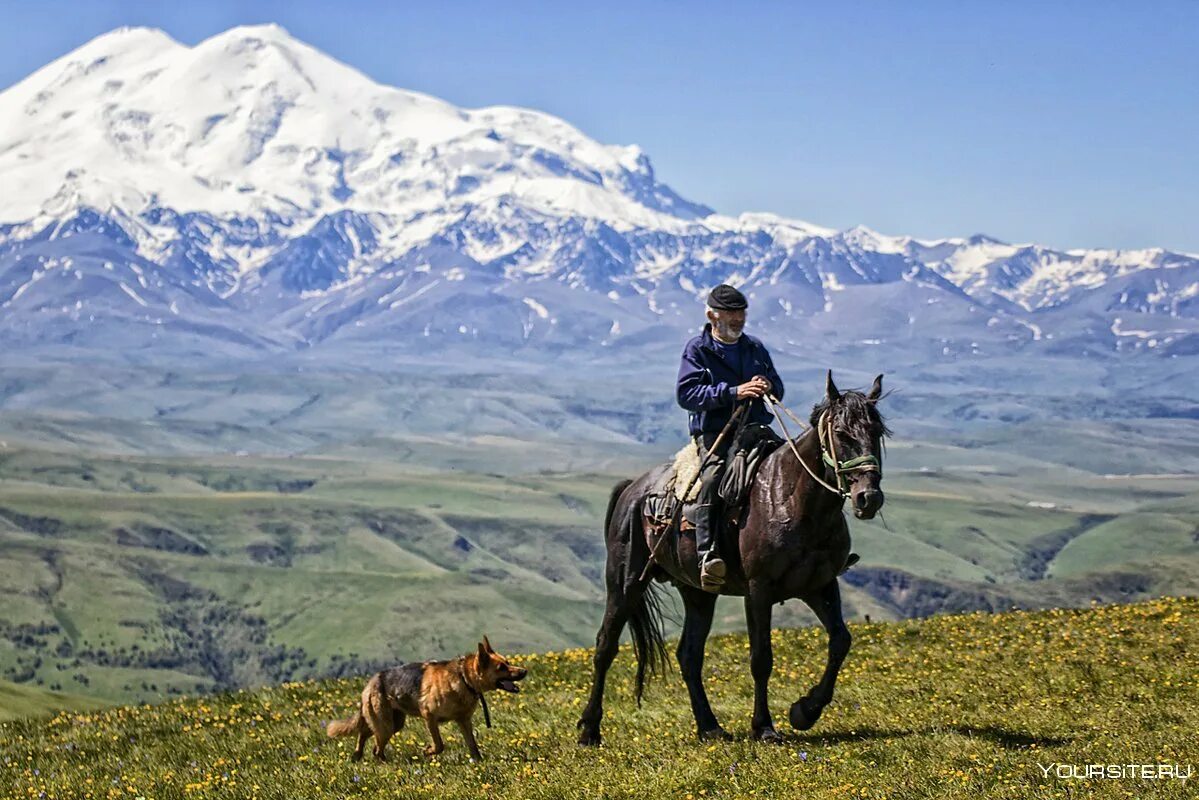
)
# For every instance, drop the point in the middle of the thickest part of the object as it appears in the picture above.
(483, 700)
(475, 692)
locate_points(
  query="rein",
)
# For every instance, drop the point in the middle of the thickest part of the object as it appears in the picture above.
(828, 451)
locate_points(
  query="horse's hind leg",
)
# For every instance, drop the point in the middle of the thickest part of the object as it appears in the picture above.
(827, 605)
(607, 642)
(699, 606)
(628, 555)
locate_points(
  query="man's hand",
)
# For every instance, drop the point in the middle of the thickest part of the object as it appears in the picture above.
(755, 387)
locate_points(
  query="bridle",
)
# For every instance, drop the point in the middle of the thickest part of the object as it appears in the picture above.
(828, 452)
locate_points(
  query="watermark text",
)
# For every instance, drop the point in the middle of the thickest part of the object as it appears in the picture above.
(1087, 772)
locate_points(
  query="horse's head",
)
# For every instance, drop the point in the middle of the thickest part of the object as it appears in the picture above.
(852, 433)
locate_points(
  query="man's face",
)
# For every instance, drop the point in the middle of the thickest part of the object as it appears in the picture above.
(728, 324)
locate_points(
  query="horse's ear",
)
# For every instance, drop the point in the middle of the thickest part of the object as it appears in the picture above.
(876, 389)
(830, 389)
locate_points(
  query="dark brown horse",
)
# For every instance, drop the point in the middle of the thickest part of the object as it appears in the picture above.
(793, 544)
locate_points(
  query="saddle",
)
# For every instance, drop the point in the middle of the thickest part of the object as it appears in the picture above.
(750, 446)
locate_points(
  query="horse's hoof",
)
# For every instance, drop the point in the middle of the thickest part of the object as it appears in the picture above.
(589, 738)
(803, 716)
(768, 736)
(589, 733)
(717, 734)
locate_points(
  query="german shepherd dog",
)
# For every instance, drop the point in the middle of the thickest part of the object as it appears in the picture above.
(436, 691)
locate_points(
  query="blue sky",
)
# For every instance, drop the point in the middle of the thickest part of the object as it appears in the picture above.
(1073, 124)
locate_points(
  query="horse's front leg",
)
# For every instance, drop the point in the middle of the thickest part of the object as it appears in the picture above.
(827, 605)
(761, 660)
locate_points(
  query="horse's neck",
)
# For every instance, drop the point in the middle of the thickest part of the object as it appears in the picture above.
(807, 496)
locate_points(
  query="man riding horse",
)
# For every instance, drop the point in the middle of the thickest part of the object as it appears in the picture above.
(720, 368)
(792, 541)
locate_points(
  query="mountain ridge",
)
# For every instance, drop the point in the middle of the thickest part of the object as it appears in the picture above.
(276, 196)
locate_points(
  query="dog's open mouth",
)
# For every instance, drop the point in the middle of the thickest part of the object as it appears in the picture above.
(507, 686)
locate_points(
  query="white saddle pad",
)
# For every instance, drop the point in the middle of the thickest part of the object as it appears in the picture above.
(686, 468)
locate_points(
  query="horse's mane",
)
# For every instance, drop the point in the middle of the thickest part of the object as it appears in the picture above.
(854, 413)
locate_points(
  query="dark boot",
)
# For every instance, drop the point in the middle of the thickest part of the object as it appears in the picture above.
(712, 569)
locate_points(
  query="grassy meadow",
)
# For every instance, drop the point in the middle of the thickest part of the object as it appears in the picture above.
(950, 706)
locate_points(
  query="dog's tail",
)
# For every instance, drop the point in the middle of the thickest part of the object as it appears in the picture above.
(344, 727)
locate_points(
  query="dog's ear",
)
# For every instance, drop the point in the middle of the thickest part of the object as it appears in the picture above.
(484, 656)
(487, 645)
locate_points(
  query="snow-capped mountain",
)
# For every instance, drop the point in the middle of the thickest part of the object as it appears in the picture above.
(253, 192)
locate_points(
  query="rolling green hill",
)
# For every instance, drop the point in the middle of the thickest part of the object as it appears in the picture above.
(171, 578)
(18, 701)
(977, 705)
(133, 577)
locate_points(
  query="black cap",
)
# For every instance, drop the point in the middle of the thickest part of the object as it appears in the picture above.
(726, 298)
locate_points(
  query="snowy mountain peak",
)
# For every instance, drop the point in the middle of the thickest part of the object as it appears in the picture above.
(255, 123)
(126, 38)
(270, 31)
(252, 172)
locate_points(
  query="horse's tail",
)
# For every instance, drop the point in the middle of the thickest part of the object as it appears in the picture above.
(649, 644)
(645, 609)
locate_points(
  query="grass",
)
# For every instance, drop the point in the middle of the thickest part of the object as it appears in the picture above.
(952, 706)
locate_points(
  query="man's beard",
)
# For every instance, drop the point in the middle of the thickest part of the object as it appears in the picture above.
(726, 332)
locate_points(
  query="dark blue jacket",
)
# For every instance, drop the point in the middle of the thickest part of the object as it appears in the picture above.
(707, 384)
